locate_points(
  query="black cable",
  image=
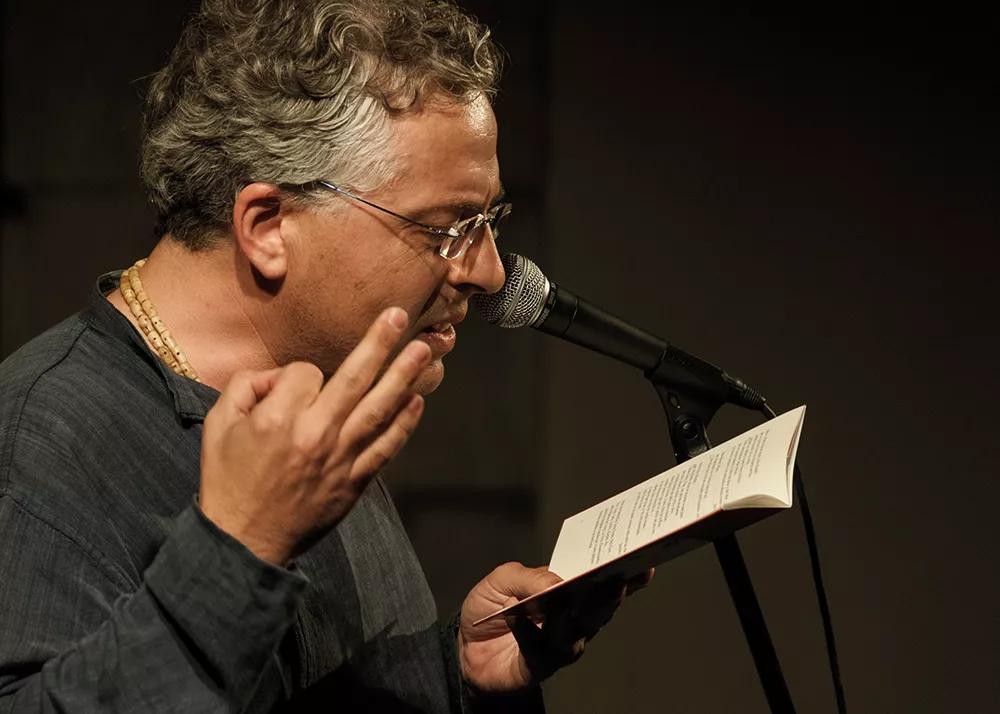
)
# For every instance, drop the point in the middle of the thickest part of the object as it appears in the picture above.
(824, 607)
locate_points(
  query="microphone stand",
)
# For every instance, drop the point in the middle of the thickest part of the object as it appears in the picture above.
(690, 404)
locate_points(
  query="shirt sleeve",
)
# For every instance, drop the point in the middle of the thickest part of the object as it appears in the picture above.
(464, 700)
(195, 636)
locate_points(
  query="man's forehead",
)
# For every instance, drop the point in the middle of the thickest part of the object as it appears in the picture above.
(448, 148)
(451, 122)
(481, 117)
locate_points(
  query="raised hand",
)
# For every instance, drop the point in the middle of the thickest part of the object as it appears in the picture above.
(284, 457)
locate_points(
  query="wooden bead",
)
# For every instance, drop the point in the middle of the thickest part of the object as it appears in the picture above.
(158, 336)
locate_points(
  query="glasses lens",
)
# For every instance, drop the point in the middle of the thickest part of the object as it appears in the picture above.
(452, 248)
(497, 217)
(472, 229)
(468, 230)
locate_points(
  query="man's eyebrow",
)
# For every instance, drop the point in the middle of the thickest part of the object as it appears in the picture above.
(459, 208)
(501, 197)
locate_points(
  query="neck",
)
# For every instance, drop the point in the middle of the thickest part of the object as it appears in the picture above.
(211, 305)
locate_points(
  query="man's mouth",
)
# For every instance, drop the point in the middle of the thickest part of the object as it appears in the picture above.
(442, 326)
(440, 337)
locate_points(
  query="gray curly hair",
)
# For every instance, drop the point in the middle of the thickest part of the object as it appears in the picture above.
(288, 91)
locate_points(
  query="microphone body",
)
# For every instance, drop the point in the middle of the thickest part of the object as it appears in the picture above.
(529, 299)
(572, 318)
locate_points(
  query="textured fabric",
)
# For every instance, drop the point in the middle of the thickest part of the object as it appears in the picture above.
(117, 594)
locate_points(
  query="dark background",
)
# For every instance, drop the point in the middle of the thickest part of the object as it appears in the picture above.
(809, 200)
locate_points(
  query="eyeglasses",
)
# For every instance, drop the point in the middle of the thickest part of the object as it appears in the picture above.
(454, 239)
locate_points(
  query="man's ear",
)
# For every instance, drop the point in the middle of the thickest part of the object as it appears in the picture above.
(258, 214)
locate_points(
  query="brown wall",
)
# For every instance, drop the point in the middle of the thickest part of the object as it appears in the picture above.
(808, 202)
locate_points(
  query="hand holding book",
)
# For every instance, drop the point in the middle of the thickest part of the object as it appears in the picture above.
(728, 487)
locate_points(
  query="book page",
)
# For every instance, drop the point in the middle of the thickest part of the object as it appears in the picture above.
(750, 470)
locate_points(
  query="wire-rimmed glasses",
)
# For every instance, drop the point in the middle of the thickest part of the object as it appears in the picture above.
(454, 239)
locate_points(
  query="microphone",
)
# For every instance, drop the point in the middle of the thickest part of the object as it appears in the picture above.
(529, 299)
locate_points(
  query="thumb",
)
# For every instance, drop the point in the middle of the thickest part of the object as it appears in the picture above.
(517, 581)
(245, 389)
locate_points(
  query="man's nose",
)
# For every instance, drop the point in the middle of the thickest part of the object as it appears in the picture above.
(480, 269)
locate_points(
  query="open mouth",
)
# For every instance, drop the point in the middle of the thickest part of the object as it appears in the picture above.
(440, 337)
(441, 327)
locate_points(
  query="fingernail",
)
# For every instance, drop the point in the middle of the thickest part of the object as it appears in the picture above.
(420, 351)
(397, 318)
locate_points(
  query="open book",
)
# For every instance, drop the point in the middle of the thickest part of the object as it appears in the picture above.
(726, 488)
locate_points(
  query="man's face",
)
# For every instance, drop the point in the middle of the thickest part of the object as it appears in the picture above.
(349, 264)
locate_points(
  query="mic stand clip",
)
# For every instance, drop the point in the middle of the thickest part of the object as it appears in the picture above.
(690, 402)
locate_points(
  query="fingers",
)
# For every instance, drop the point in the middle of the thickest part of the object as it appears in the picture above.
(563, 635)
(538, 655)
(639, 581)
(357, 372)
(389, 443)
(599, 606)
(596, 611)
(378, 408)
(548, 648)
(245, 389)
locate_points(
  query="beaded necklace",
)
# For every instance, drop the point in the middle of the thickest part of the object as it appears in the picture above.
(151, 324)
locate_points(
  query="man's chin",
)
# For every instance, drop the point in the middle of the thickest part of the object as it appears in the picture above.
(430, 378)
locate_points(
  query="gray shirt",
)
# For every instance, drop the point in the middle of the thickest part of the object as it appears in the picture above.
(117, 594)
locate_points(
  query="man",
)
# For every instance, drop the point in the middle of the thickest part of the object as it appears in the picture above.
(327, 183)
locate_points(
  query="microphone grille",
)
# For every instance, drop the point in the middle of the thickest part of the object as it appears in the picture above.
(521, 300)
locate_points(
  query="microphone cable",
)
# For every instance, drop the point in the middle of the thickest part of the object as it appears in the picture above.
(817, 573)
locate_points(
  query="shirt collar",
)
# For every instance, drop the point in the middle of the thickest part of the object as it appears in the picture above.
(192, 399)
